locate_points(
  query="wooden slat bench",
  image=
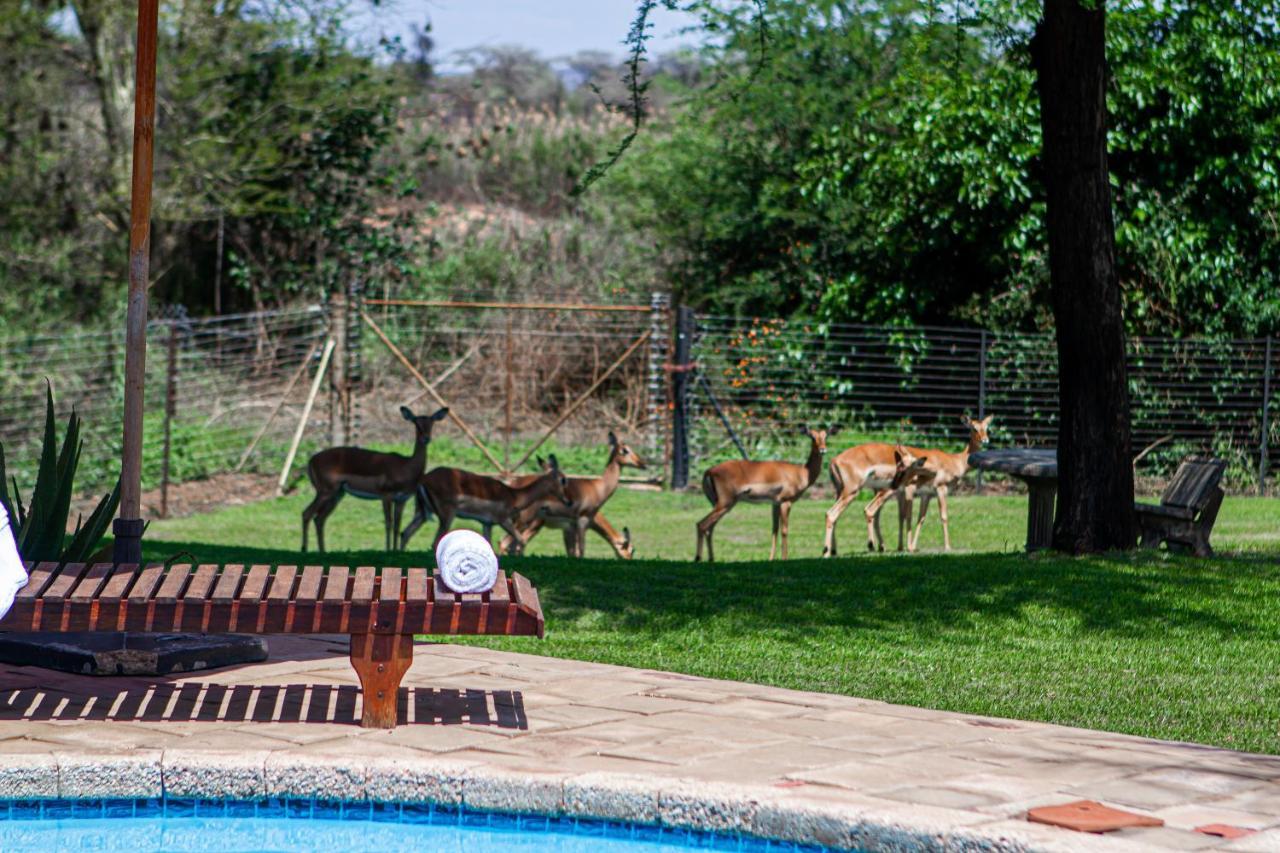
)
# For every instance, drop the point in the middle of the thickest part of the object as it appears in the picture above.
(1187, 510)
(382, 609)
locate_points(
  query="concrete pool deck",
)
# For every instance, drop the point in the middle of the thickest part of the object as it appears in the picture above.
(496, 730)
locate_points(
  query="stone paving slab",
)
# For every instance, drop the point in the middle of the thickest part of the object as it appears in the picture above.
(497, 730)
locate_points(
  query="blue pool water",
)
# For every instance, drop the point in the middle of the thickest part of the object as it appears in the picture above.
(268, 826)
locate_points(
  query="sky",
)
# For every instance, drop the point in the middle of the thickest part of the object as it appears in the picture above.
(554, 28)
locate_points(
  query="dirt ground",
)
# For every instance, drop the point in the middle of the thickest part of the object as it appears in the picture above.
(194, 497)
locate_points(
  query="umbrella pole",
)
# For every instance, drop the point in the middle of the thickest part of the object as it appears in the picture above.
(128, 527)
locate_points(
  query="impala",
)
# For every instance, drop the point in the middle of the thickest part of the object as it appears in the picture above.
(910, 473)
(388, 477)
(452, 493)
(586, 495)
(851, 470)
(778, 483)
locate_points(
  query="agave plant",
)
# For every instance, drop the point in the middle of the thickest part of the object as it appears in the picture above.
(40, 527)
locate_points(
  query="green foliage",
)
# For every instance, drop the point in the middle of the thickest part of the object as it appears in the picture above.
(40, 525)
(880, 163)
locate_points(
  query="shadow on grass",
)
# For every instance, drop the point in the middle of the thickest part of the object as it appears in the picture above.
(1124, 594)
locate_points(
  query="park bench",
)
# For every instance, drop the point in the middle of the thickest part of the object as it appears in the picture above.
(1187, 510)
(381, 609)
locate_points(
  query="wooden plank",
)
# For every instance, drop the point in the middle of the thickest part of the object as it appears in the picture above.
(54, 614)
(254, 585)
(82, 609)
(224, 592)
(388, 609)
(416, 600)
(37, 580)
(276, 612)
(165, 611)
(136, 612)
(65, 581)
(305, 600)
(444, 611)
(472, 610)
(501, 613)
(223, 610)
(526, 598)
(111, 599)
(335, 605)
(195, 603)
(362, 589)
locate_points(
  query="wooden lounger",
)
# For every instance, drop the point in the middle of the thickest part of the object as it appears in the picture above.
(381, 609)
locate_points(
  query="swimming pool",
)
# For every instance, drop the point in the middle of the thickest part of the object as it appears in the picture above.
(307, 825)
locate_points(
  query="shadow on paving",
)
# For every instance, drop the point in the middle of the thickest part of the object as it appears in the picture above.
(1123, 594)
(289, 703)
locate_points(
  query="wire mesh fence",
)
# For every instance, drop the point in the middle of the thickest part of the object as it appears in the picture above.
(913, 385)
(226, 394)
(210, 386)
(519, 373)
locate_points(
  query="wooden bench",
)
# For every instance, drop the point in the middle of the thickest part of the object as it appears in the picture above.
(382, 609)
(1187, 510)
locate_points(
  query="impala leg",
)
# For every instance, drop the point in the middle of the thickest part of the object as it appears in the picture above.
(509, 526)
(833, 515)
(872, 513)
(906, 500)
(386, 523)
(773, 539)
(322, 515)
(509, 542)
(914, 541)
(580, 536)
(786, 524)
(308, 514)
(397, 517)
(420, 514)
(446, 522)
(942, 513)
(706, 527)
(486, 530)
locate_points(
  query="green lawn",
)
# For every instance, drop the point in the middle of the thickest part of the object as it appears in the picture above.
(1150, 644)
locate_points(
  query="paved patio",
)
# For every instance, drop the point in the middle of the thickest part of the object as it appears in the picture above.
(499, 730)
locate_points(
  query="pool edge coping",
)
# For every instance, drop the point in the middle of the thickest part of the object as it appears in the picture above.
(794, 814)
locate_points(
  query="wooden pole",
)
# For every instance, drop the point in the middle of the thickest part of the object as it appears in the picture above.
(288, 389)
(448, 371)
(432, 391)
(306, 415)
(506, 447)
(585, 396)
(170, 406)
(128, 526)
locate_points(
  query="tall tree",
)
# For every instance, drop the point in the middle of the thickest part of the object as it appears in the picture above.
(1095, 474)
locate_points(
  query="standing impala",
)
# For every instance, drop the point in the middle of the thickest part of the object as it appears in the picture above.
(778, 483)
(388, 477)
(452, 493)
(851, 470)
(586, 495)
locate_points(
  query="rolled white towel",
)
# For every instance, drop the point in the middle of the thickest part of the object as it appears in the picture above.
(13, 576)
(467, 562)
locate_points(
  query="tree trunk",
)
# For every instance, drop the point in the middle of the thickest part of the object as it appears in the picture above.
(1095, 474)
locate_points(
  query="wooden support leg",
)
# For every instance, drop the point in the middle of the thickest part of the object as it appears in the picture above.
(1040, 499)
(380, 661)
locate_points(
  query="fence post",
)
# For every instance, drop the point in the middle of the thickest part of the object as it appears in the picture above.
(982, 388)
(170, 400)
(355, 364)
(685, 323)
(1266, 417)
(656, 401)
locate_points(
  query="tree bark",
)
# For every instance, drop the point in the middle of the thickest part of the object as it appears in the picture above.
(1095, 474)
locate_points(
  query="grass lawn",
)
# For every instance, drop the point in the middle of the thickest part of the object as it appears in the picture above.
(1162, 646)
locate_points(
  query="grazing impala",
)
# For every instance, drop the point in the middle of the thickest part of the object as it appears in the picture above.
(388, 477)
(909, 474)
(586, 495)
(851, 470)
(452, 493)
(778, 483)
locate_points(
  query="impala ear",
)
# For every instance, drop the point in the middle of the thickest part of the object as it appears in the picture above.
(613, 439)
(405, 413)
(555, 464)
(441, 415)
(986, 422)
(626, 535)
(541, 462)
